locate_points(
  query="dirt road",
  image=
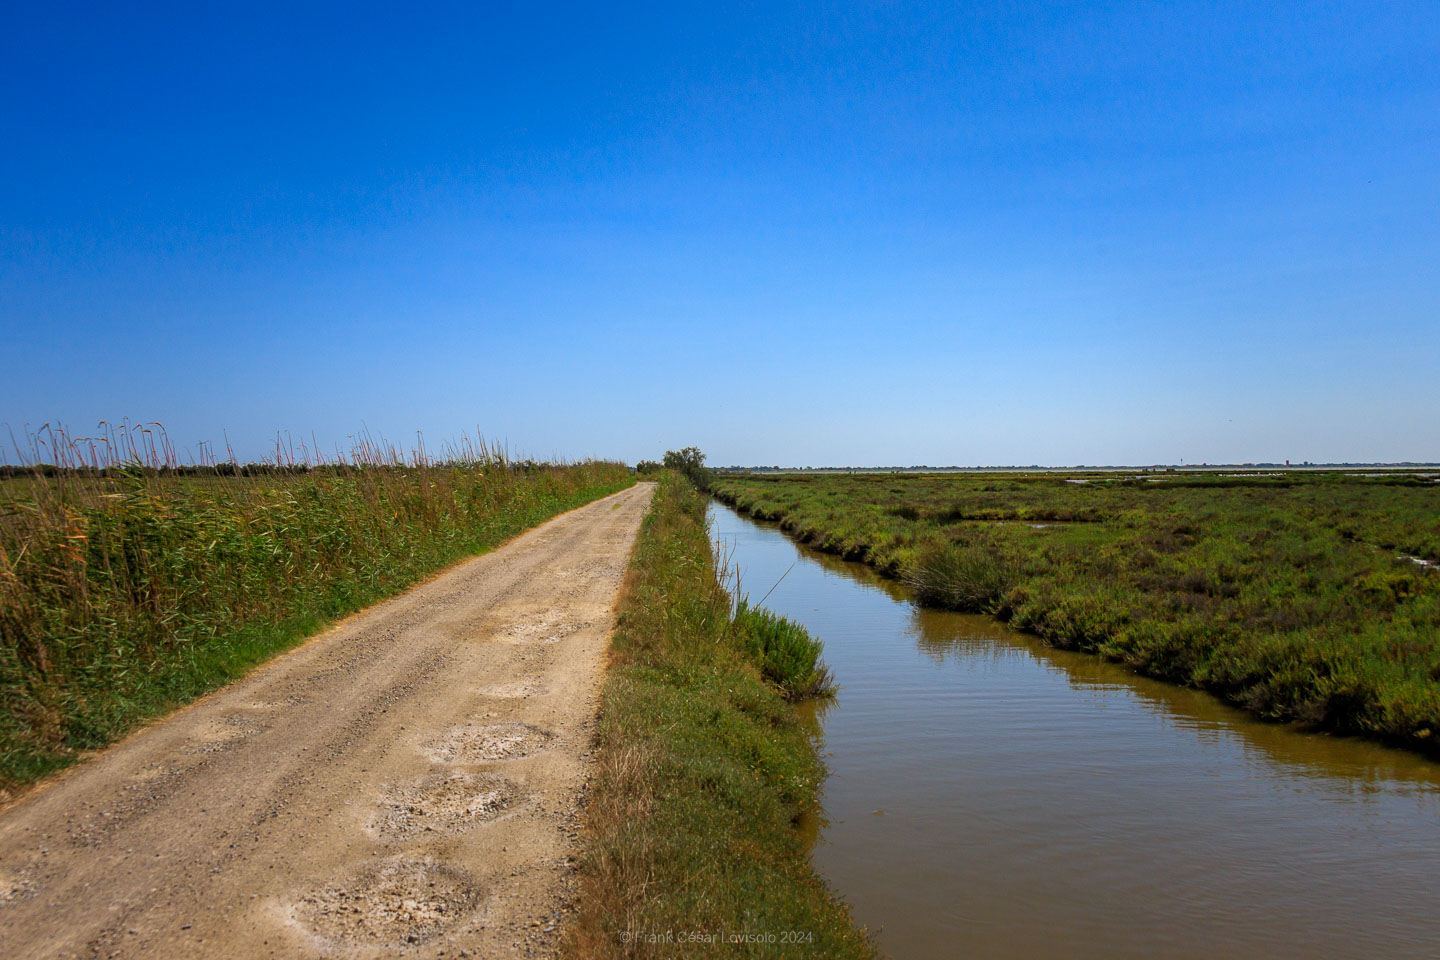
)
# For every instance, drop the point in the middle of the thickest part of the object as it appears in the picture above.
(403, 784)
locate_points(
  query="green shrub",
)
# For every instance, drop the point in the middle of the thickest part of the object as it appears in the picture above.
(691, 463)
(964, 577)
(786, 653)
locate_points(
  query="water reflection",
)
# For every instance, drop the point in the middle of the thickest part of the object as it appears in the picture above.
(942, 635)
(1038, 802)
(812, 822)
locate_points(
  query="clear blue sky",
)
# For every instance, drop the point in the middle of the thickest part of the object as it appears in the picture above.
(821, 234)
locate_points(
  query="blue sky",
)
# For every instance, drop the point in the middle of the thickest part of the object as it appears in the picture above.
(818, 234)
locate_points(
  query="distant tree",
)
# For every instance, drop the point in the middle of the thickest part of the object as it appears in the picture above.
(646, 467)
(690, 462)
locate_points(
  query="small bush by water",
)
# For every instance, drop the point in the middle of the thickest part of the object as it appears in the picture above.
(704, 768)
(786, 653)
(966, 577)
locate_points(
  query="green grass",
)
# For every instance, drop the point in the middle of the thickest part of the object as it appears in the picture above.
(705, 766)
(1290, 595)
(784, 651)
(126, 593)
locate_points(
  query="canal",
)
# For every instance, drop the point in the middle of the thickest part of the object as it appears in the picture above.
(989, 796)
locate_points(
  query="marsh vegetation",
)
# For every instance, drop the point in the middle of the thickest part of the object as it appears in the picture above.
(1303, 597)
(980, 782)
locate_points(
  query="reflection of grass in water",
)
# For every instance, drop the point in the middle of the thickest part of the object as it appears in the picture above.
(942, 635)
(1353, 765)
(1283, 593)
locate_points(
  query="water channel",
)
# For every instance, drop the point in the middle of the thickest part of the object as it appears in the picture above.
(991, 797)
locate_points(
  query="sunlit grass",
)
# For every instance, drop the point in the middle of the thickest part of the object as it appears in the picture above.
(130, 584)
(1292, 595)
(704, 767)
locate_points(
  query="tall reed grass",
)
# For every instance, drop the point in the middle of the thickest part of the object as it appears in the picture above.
(130, 582)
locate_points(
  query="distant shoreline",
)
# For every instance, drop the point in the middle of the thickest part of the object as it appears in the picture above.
(1403, 467)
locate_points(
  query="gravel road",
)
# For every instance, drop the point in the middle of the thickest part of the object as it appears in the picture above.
(407, 783)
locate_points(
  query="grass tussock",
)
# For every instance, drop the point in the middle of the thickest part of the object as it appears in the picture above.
(1300, 597)
(787, 655)
(969, 577)
(132, 585)
(704, 768)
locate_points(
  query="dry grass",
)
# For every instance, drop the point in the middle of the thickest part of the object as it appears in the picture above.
(130, 583)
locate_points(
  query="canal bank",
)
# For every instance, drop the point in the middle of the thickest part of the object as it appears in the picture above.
(992, 797)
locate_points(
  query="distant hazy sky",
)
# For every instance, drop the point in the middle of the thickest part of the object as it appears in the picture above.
(820, 234)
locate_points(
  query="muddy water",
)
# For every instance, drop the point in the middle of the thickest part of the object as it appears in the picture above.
(991, 797)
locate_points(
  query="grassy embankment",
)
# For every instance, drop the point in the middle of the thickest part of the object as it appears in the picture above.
(1289, 595)
(126, 592)
(705, 765)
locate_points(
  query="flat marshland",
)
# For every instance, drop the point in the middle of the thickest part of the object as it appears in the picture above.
(990, 795)
(130, 590)
(1303, 597)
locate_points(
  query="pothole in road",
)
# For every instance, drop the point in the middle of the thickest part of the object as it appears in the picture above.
(592, 572)
(143, 778)
(400, 903)
(221, 733)
(516, 690)
(544, 629)
(16, 886)
(137, 792)
(279, 703)
(476, 743)
(446, 804)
